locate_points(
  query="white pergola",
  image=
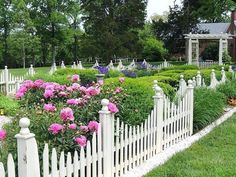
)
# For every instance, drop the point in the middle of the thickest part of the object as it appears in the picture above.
(192, 44)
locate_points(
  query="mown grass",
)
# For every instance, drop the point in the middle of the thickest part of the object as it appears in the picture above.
(212, 156)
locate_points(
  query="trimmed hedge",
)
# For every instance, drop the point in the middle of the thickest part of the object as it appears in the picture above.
(181, 67)
(10, 106)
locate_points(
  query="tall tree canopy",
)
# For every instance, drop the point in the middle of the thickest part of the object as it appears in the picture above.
(112, 26)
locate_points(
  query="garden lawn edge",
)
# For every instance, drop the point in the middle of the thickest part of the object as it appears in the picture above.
(165, 155)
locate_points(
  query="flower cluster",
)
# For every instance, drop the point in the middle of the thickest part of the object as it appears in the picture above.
(69, 103)
(3, 135)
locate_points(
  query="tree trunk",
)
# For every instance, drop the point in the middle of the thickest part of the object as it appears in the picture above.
(5, 36)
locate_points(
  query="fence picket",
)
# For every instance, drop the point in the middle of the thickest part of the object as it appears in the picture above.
(10, 166)
(69, 167)
(76, 164)
(62, 170)
(94, 155)
(82, 162)
(45, 161)
(2, 170)
(54, 171)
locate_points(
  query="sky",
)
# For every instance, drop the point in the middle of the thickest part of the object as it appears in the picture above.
(159, 6)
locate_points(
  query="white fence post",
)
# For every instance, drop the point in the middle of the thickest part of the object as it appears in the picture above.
(223, 76)
(158, 102)
(190, 99)
(6, 75)
(27, 151)
(107, 127)
(31, 70)
(214, 81)
(198, 79)
(63, 65)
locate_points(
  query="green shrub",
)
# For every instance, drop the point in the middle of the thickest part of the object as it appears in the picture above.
(10, 106)
(181, 67)
(228, 89)
(138, 102)
(86, 75)
(208, 106)
(114, 73)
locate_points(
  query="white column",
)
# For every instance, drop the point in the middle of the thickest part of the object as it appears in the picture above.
(158, 102)
(220, 51)
(189, 51)
(197, 50)
(107, 127)
(27, 151)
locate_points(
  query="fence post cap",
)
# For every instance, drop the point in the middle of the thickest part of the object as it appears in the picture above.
(199, 72)
(5, 67)
(104, 104)
(212, 70)
(181, 76)
(190, 84)
(223, 68)
(24, 124)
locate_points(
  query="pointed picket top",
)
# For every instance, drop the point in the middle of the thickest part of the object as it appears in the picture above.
(223, 75)
(63, 65)
(132, 65)
(198, 79)
(96, 64)
(120, 66)
(111, 66)
(5, 67)
(74, 65)
(194, 81)
(165, 63)
(80, 66)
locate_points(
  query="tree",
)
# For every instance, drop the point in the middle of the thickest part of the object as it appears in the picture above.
(5, 26)
(113, 25)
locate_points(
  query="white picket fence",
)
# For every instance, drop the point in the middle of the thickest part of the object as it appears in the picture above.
(204, 64)
(115, 149)
(9, 83)
(199, 81)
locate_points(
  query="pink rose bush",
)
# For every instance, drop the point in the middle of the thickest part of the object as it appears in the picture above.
(66, 109)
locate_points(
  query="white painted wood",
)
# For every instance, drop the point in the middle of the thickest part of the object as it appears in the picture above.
(82, 163)
(76, 164)
(94, 154)
(45, 161)
(62, 170)
(2, 170)
(88, 159)
(54, 171)
(69, 167)
(10, 166)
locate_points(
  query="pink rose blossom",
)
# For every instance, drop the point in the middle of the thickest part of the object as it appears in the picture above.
(28, 84)
(82, 140)
(93, 126)
(69, 89)
(75, 78)
(55, 128)
(38, 83)
(19, 95)
(121, 79)
(62, 94)
(82, 89)
(75, 86)
(113, 108)
(49, 107)
(72, 126)
(84, 128)
(74, 101)
(48, 94)
(92, 91)
(118, 90)
(67, 114)
(3, 135)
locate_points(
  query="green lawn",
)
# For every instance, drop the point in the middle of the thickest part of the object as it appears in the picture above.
(213, 156)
